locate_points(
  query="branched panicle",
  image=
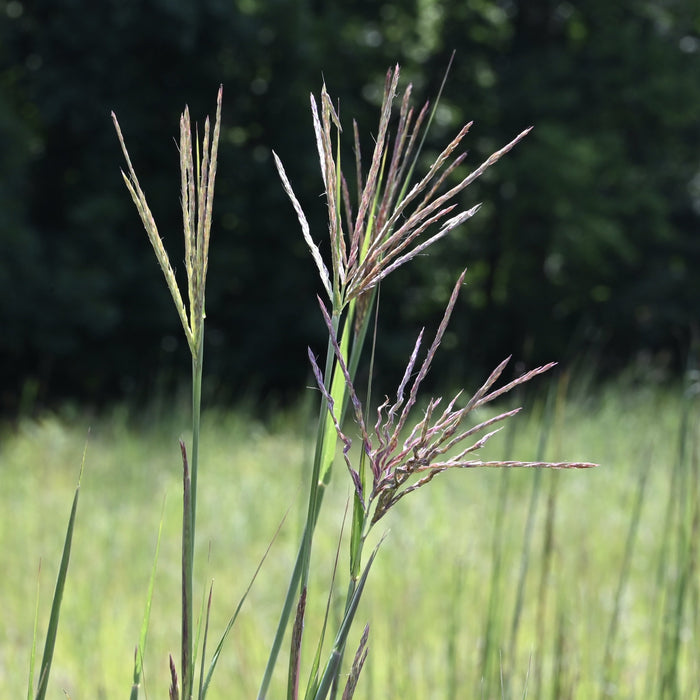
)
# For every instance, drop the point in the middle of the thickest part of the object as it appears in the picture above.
(388, 226)
(394, 220)
(435, 442)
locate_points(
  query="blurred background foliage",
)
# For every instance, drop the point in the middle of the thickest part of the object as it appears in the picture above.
(587, 248)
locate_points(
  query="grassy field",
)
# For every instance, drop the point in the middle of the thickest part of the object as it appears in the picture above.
(575, 584)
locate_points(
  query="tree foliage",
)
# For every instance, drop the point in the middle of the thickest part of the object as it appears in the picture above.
(587, 242)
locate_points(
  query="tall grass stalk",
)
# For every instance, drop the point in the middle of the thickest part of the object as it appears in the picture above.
(493, 621)
(609, 681)
(552, 424)
(682, 519)
(388, 230)
(453, 666)
(528, 537)
(32, 655)
(198, 174)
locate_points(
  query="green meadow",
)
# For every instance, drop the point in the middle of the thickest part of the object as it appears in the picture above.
(490, 583)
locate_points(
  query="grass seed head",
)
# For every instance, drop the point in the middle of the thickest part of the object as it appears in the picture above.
(197, 174)
(393, 217)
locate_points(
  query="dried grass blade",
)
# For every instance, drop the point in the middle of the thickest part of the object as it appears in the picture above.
(357, 664)
(295, 657)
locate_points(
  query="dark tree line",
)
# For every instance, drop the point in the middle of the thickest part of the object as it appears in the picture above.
(587, 245)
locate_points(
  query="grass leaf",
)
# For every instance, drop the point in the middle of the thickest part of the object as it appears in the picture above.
(32, 657)
(50, 642)
(200, 695)
(331, 669)
(141, 648)
(231, 622)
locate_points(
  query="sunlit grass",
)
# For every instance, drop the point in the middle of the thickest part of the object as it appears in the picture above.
(430, 584)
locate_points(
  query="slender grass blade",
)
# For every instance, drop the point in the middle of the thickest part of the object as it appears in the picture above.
(52, 631)
(32, 658)
(231, 622)
(200, 695)
(141, 648)
(332, 665)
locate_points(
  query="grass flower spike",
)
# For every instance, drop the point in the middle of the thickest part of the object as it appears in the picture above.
(197, 196)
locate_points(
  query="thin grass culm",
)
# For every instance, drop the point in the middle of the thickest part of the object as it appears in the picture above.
(198, 174)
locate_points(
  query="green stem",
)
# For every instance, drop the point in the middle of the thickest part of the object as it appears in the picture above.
(189, 512)
(326, 441)
(196, 419)
(315, 501)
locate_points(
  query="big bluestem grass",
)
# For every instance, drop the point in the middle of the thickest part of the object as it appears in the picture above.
(396, 217)
(198, 175)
